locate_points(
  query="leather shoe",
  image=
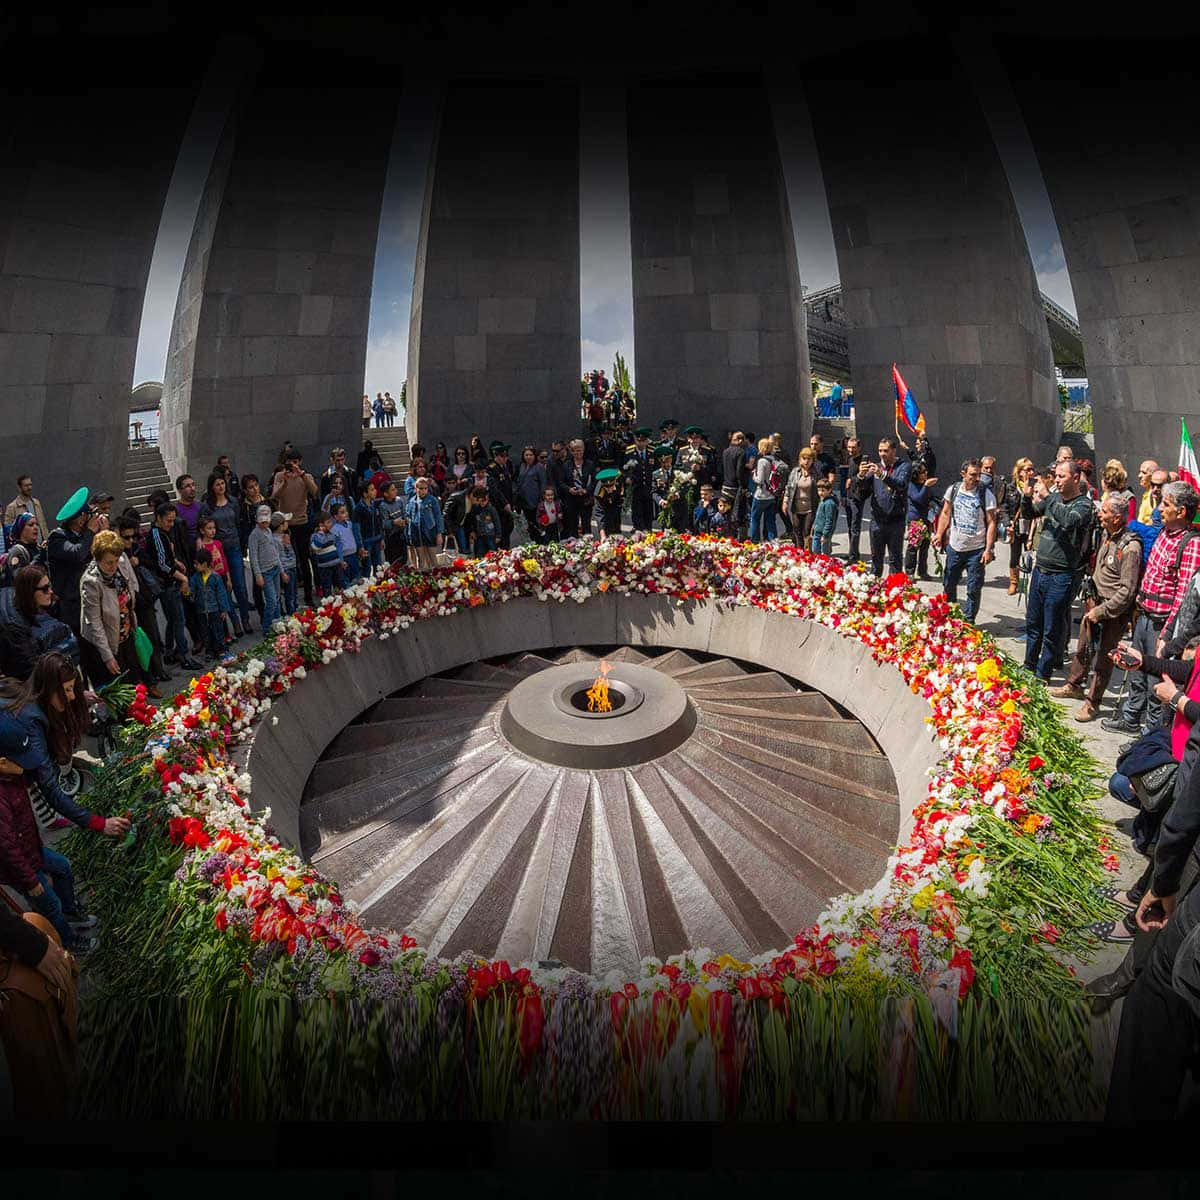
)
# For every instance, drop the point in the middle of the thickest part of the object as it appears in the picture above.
(154, 692)
(1087, 712)
(1116, 725)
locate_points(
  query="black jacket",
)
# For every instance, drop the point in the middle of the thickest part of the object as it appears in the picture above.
(733, 466)
(20, 939)
(67, 555)
(587, 471)
(639, 473)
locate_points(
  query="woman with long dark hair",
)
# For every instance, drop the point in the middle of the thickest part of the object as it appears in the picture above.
(224, 514)
(476, 452)
(462, 462)
(31, 630)
(50, 711)
(532, 481)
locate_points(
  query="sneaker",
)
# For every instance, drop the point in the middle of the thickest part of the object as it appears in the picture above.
(83, 945)
(1118, 725)
(82, 920)
(1068, 691)
(190, 664)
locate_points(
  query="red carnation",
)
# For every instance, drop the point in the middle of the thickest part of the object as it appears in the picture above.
(369, 957)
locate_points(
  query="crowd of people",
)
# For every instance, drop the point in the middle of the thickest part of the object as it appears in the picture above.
(99, 597)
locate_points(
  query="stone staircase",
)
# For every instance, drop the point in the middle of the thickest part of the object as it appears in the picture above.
(145, 472)
(833, 428)
(392, 445)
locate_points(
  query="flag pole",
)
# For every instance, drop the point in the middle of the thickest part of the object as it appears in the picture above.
(903, 444)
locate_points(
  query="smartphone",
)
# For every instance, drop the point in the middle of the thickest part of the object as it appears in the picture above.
(1125, 659)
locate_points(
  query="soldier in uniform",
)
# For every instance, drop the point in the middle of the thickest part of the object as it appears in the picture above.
(669, 430)
(502, 476)
(639, 480)
(610, 498)
(669, 513)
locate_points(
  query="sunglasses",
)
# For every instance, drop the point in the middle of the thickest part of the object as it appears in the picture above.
(44, 587)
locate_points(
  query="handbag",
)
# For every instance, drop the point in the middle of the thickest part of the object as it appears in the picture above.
(143, 647)
(1155, 788)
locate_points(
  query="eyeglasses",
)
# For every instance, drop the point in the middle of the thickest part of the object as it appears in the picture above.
(43, 587)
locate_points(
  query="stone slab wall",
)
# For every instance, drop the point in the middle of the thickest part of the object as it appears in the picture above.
(83, 175)
(1120, 155)
(494, 336)
(934, 267)
(719, 331)
(281, 756)
(270, 333)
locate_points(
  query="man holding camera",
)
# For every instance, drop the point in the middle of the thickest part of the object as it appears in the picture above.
(1111, 592)
(889, 503)
(1061, 554)
(293, 490)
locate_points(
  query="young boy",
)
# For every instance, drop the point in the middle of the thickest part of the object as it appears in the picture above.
(264, 562)
(327, 560)
(825, 520)
(212, 602)
(702, 516)
(343, 533)
(481, 524)
(391, 508)
(610, 494)
(720, 524)
(287, 563)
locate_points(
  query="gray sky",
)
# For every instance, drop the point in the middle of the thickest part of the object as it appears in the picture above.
(605, 267)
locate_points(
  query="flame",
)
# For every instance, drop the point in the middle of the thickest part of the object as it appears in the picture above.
(597, 696)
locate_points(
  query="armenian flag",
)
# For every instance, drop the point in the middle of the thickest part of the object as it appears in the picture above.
(906, 407)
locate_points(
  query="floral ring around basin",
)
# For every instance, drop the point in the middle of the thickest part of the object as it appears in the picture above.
(985, 899)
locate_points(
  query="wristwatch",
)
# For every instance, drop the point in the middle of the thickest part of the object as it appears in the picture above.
(1179, 695)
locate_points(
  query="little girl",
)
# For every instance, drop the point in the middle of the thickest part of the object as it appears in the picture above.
(337, 495)
(549, 517)
(206, 539)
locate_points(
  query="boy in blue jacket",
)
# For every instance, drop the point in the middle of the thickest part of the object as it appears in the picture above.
(825, 521)
(211, 600)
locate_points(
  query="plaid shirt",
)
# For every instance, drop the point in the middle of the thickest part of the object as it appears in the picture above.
(1162, 589)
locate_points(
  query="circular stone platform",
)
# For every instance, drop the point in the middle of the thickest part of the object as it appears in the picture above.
(546, 717)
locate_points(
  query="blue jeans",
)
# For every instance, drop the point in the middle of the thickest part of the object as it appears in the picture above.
(58, 894)
(350, 573)
(270, 591)
(287, 591)
(887, 539)
(1050, 594)
(172, 606)
(822, 544)
(374, 548)
(483, 545)
(237, 574)
(762, 520)
(972, 561)
(853, 508)
(1142, 706)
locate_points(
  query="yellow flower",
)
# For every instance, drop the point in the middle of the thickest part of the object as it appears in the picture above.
(727, 960)
(1031, 823)
(1008, 708)
(966, 862)
(923, 898)
(698, 1006)
(273, 873)
(987, 671)
(531, 566)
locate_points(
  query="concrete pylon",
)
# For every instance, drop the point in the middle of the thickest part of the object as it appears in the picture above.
(719, 337)
(494, 336)
(1120, 155)
(934, 267)
(270, 334)
(85, 170)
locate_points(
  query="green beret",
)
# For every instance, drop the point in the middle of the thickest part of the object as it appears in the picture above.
(74, 506)
(693, 429)
(608, 473)
(642, 431)
(665, 450)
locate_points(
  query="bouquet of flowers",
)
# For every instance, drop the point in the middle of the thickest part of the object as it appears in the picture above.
(681, 481)
(917, 535)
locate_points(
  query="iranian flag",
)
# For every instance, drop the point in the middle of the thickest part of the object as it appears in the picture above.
(1187, 459)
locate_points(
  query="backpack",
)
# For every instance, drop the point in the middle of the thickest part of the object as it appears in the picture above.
(775, 480)
(979, 492)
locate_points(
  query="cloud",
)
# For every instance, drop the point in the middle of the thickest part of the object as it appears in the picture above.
(387, 363)
(601, 354)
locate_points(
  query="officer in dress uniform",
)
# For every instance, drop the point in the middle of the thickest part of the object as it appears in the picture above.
(503, 477)
(639, 480)
(669, 434)
(68, 552)
(669, 513)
